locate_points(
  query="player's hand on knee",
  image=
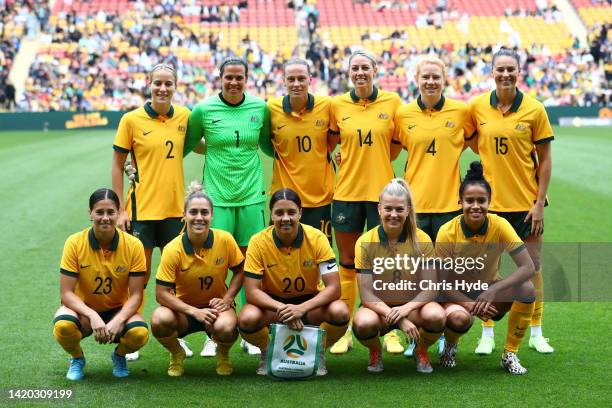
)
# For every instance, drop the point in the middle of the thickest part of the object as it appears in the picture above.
(410, 329)
(295, 324)
(290, 312)
(114, 328)
(219, 305)
(483, 304)
(206, 315)
(99, 329)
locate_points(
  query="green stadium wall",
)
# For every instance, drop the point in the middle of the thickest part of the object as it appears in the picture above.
(110, 119)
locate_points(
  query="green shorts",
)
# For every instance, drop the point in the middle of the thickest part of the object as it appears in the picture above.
(517, 220)
(242, 222)
(431, 222)
(157, 233)
(319, 218)
(351, 216)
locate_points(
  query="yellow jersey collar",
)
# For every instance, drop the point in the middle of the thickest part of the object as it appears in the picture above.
(438, 106)
(287, 103)
(382, 236)
(515, 104)
(298, 240)
(93, 242)
(207, 244)
(468, 232)
(153, 114)
(371, 98)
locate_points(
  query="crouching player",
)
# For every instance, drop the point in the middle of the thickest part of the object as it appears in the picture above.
(284, 264)
(386, 308)
(102, 277)
(191, 285)
(484, 237)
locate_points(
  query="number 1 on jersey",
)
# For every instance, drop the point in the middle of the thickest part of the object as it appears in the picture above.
(237, 138)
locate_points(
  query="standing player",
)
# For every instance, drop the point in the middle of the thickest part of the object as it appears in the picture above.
(431, 129)
(233, 125)
(513, 137)
(101, 282)
(414, 312)
(191, 287)
(284, 265)
(362, 119)
(154, 136)
(299, 124)
(479, 235)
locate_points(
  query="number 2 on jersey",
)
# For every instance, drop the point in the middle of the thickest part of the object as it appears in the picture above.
(170, 147)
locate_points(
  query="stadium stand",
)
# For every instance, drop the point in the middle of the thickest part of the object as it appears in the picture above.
(93, 55)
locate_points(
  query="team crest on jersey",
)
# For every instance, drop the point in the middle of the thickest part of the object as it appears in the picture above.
(450, 124)
(320, 123)
(182, 128)
(219, 261)
(254, 119)
(121, 269)
(308, 263)
(340, 218)
(383, 116)
(520, 127)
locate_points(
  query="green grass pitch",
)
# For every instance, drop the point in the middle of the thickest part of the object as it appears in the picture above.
(46, 181)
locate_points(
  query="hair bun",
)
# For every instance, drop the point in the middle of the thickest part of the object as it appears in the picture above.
(195, 187)
(475, 171)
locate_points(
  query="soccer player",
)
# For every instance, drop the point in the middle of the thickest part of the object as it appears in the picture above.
(483, 237)
(101, 283)
(154, 136)
(431, 129)
(413, 312)
(191, 287)
(228, 128)
(299, 124)
(513, 138)
(362, 121)
(284, 265)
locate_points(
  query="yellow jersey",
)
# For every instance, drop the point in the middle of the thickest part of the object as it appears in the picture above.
(155, 143)
(506, 145)
(301, 160)
(366, 130)
(434, 140)
(102, 275)
(455, 240)
(288, 272)
(371, 251)
(199, 276)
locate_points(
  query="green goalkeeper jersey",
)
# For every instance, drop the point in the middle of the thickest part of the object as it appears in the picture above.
(233, 174)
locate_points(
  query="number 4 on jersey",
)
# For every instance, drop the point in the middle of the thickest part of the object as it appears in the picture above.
(432, 147)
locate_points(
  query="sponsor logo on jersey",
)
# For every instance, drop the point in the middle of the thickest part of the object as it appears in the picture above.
(254, 119)
(295, 346)
(383, 116)
(520, 126)
(182, 128)
(411, 126)
(146, 133)
(309, 263)
(450, 124)
(121, 269)
(219, 261)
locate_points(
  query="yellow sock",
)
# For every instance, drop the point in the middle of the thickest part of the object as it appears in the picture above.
(224, 346)
(170, 342)
(518, 321)
(136, 335)
(371, 343)
(258, 338)
(348, 288)
(66, 331)
(451, 336)
(427, 338)
(536, 318)
(334, 331)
